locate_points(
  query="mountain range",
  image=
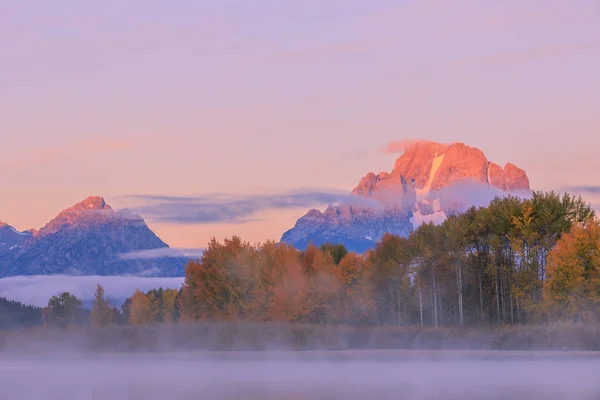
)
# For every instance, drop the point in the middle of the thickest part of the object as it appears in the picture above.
(86, 239)
(428, 182)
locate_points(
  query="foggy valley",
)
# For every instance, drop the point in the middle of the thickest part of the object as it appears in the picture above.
(300, 200)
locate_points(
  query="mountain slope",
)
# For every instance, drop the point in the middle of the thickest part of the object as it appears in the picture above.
(429, 181)
(11, 239)
(88, 239)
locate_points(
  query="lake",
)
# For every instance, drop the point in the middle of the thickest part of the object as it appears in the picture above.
(347, 375)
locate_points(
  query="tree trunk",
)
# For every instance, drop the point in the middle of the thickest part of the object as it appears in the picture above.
(502, 299)
(512, 307)
(460, 294)
(398, 305)
(497, 300)
(480, 297)
(435, 311)
(420, 299)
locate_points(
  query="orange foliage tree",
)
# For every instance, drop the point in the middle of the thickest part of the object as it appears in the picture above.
(572, 287)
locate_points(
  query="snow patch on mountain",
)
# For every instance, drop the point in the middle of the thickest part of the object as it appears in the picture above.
(429, 181)
(435, 166)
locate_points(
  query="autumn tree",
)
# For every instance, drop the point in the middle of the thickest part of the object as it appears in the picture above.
(290, 292)
(64, 310)
(505, 263)
(390, 278)
(102, 312)
(319, 270)
(354, 304)
(143, 309)
(214, 287)
(572, 288)
(167, 309)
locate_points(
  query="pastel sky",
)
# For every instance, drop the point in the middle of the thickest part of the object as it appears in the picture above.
(243, 97)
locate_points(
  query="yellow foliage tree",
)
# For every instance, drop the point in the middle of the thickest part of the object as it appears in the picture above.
(572, 288)
(168, 305)
(354, 299)
(142, 309)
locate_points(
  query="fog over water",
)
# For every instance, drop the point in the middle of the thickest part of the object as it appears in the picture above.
(36, 290)
(303, 375)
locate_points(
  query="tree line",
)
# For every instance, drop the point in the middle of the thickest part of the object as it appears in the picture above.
(516, 261)
(14, 314)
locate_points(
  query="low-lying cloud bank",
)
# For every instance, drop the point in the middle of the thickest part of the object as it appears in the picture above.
(590, 193)
(168, 252)
(36, 290)
(230, 208)
(466, 194)
(589, 190)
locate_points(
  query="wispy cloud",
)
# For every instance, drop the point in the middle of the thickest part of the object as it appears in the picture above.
(162, 252)
(399, 146)
(472, 194)
(230, 208)
(590, 193)
(585, 190)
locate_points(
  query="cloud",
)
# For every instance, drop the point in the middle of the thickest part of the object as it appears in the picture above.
(36, 290)
(230, 208)
(588, 190)
(589, 193)
(471, 193)
(418, 219)
(162, 252)
(401, 146)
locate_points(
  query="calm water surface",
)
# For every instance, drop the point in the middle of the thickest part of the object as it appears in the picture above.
(310, 375)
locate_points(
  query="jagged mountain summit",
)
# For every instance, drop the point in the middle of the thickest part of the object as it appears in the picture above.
(11, 239)
(428, 182)
(86, 239)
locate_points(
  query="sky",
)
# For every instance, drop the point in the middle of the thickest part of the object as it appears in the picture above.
(240, 99)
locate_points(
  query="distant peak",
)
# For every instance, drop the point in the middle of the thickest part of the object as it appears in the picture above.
(2, 224)
(92, 203)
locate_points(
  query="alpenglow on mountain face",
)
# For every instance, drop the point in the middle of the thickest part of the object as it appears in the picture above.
(428, 182)
(86, 239)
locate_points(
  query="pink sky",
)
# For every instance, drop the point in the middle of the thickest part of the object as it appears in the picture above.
(114, 99)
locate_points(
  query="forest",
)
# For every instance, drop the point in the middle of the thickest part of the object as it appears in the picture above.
(514, 262)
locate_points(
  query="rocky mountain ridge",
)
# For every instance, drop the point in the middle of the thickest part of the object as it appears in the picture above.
(429, 181)
(10, 238)
(86, 239)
